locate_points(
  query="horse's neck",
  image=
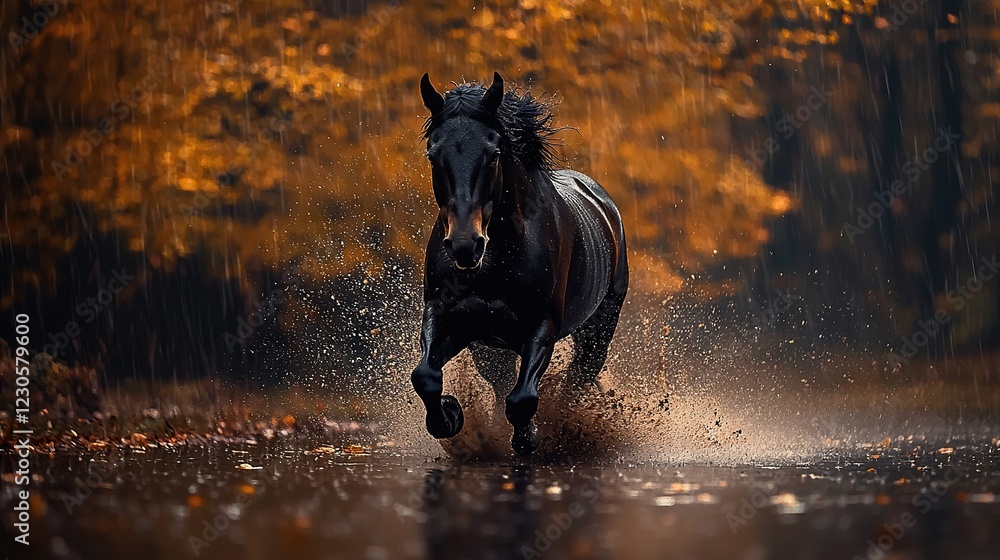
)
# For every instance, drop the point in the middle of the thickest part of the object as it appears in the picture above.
(526, 191)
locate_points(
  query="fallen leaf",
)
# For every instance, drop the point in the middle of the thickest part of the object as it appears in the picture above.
(322, 450)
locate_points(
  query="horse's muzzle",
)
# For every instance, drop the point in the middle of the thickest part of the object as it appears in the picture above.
(466, 253)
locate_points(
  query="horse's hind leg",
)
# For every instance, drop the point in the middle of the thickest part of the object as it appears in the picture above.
(498, 367)
(592, 339)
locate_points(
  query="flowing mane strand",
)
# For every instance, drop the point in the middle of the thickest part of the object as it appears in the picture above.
(525, 123)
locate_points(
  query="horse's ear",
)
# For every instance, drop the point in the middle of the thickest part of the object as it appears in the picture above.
(494, 96)
(432, 99)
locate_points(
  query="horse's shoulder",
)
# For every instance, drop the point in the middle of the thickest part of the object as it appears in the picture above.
(568, 179)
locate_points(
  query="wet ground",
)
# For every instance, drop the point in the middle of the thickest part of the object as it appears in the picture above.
(302, 499)
(735, 459)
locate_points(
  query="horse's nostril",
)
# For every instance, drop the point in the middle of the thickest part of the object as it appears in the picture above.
(465, 252)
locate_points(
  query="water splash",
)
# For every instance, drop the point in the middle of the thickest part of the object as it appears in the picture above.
(641, 412)
(685, 382)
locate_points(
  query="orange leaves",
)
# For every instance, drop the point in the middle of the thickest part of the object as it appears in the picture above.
(283, 128)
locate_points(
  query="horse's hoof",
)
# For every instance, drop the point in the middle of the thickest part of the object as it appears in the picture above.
(525, 440)
(453, 413)
(453, 419)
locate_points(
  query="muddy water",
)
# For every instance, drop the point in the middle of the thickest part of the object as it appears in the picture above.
(303, 500)
(698, 451)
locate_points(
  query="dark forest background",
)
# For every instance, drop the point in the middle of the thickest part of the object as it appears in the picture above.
(262, 156)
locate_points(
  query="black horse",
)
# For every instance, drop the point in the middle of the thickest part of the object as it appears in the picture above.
(521, 255)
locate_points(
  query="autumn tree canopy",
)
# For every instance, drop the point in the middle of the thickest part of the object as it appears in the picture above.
(739, 138)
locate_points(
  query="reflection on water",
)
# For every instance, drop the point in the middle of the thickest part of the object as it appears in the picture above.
(293, 500)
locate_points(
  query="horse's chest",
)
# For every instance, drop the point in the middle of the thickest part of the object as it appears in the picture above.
(486, 309)
(493, 321)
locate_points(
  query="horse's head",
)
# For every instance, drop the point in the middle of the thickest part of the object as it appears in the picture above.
(464, 151)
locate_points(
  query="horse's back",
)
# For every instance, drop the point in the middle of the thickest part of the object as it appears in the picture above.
(599, 262)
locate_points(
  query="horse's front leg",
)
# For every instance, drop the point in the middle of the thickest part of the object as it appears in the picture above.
(438, 345)
(522, 402)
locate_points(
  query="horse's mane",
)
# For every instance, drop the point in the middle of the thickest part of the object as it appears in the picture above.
(523, 122)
